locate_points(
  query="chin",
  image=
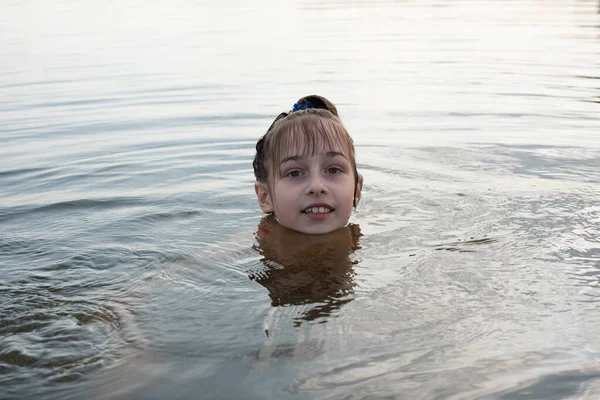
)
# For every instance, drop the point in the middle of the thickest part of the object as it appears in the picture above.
(312, 228)
(318, 230)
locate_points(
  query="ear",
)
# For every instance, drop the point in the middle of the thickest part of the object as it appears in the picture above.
(264, 197)
(358, 190)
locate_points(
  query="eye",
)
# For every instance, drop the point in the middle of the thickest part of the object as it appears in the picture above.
(334, 170)
(293, 174)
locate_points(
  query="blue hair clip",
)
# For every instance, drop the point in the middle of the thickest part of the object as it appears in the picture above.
(298, 107)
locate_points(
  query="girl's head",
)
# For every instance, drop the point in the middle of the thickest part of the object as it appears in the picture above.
(305, 168)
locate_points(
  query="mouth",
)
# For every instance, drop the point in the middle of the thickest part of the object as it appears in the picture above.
(318, 209)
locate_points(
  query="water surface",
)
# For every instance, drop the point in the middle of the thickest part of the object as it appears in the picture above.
(132, 263)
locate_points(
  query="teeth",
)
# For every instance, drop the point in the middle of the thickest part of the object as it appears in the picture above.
(317, 210)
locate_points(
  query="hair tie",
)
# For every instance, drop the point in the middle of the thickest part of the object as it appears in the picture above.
(298, 107)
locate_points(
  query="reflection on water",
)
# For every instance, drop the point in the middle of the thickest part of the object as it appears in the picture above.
(304, 269)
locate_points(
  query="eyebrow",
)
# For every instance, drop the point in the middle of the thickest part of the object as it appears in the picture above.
(297, 157)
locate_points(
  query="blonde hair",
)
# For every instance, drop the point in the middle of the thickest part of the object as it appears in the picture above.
(302, 133)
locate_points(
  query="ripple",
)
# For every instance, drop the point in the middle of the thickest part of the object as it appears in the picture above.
(19, 172)
(79, 205)
(66, 341)
(459, 245)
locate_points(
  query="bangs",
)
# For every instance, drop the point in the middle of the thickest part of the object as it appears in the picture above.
(308, 136)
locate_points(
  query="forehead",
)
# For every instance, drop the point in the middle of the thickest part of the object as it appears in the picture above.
(307, 140)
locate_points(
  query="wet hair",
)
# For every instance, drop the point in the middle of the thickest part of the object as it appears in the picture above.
(309, 131)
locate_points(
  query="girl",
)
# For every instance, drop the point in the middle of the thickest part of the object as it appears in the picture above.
(305, 169)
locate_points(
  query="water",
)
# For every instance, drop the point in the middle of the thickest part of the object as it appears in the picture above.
(132, 263)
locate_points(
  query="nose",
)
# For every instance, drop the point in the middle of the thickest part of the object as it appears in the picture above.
(316, 185)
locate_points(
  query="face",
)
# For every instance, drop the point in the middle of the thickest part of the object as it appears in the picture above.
(312, 193)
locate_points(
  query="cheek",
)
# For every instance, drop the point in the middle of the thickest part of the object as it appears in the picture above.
(284, 196)
(346, 191)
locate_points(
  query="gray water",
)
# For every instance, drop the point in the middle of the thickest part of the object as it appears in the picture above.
(131, 259)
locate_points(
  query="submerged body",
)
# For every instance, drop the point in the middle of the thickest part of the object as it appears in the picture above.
(305, 269)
